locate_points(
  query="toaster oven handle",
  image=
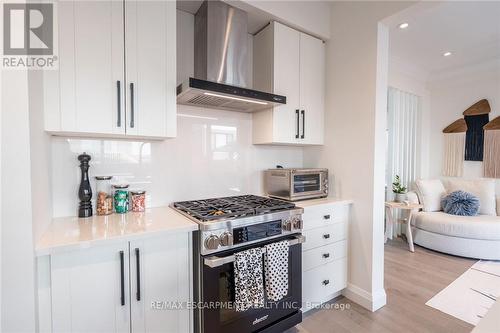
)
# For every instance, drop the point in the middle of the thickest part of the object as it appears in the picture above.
(215, 261)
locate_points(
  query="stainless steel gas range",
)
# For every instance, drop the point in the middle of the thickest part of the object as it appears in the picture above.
(229, 225)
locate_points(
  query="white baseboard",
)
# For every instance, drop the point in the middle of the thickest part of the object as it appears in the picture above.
(370, 301)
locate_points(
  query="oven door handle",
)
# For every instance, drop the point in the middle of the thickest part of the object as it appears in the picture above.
(215, 261)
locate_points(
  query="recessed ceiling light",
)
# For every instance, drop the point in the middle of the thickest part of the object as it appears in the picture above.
(403, 25)
(447, 54)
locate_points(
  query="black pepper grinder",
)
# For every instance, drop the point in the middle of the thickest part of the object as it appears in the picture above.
(85, 191)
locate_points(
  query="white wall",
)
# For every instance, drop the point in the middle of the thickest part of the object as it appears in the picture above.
(451, 93)
(409, 78)
(312, 17)
(212, 155)
(17, 249)
(355, 136)
(40, 155)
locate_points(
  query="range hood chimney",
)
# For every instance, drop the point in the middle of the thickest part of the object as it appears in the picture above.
(220, 63)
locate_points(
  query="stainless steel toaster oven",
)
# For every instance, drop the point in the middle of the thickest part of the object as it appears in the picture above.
(296, 184)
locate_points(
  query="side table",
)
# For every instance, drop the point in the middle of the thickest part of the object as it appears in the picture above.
(390, 207)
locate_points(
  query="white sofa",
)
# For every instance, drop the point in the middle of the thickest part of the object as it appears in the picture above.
(467, 236)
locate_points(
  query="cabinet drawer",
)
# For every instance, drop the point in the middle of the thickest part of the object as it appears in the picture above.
(324, 254)
(321, 215)
(319, 283)
(325, 235)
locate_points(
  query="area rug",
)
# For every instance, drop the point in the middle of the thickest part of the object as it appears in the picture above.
(469, 297)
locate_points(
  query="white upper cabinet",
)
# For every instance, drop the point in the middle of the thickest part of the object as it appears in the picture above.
(113, 53)
(290, 63)
(150, 42)
(84, 95)
(312, 89)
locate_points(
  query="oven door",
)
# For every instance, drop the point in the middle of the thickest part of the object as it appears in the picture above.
(308, 184)
(217, 289)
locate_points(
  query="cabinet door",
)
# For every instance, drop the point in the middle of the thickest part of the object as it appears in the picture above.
(150, 39)
(90, 290)
(86, 94)
(286, 82)
(312, 89)
(160, 284)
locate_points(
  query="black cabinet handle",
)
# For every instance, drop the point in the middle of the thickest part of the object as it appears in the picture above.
(326, 236)
(298, 124)
(326, 255)
(132, 123)
(326, 217)
(138, 273)
(119, 104)
(325, 282)
(303, 124)
(122, 279)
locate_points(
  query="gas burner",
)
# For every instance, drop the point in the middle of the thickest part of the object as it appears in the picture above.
(231, 207)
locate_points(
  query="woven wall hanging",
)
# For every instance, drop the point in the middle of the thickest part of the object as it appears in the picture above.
(476, 117)
(491, 163)
(454, 148)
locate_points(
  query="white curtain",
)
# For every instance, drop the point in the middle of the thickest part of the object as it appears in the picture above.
(403, 121)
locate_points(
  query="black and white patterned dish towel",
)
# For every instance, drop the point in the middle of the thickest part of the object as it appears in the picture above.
(276, 270)
(248, 282)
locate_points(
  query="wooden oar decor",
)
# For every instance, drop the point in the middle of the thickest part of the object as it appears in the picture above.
(491, 163)
(454, 148)
(476, 117)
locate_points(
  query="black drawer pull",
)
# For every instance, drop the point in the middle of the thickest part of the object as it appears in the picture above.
(138, 274)
(326, 255)
(326, 217)
(325, 282)
(119, 104)
(132, 112)
(326, 236)
(122, 279)
(303, 124)
(297, 113)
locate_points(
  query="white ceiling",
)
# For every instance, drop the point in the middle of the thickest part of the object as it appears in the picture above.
(470, 30)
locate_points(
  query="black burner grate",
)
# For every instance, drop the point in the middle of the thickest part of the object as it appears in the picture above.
(231, 207)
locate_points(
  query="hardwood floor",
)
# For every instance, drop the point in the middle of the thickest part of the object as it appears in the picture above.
(411, 279)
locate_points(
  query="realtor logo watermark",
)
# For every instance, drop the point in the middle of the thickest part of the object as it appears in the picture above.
(29, 40)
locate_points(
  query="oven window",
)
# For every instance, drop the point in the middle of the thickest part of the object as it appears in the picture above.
(306, 183)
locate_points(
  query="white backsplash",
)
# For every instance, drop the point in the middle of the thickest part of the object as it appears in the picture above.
(212, 156)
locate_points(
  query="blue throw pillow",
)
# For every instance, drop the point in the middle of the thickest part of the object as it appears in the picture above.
(460, 203)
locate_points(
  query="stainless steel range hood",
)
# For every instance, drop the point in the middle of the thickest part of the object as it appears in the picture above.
(220, 63)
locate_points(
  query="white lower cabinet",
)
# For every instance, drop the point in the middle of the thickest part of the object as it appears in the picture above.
(162, 279)
(87, 291)
(324, 254)
(137, 286)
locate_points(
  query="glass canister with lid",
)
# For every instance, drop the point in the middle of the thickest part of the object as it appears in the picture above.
(138, 200)
(104, 203)
(121, 197)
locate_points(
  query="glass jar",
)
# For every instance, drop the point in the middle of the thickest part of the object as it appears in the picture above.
(121, 198)
(138, 200)
(104, 203)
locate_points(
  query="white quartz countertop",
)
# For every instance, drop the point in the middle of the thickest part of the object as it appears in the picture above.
(322, 201)
(70, 233)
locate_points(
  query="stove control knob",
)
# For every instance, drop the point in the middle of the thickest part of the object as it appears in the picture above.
(297, 222)
(287, 225)
(212, 242)
(226, 239)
